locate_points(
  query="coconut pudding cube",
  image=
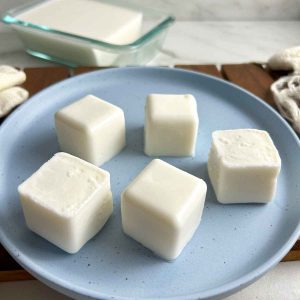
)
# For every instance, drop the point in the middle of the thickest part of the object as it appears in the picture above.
(243, 166)
(171, 125)
(91, 129)
(67, 201)
(162, 207)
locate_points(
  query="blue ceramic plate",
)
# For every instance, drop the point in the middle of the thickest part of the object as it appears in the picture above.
(234, 244)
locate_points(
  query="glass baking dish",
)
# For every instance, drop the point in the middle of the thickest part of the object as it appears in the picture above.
(75, 50)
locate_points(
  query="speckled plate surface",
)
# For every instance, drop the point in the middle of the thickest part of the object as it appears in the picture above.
(234, 244)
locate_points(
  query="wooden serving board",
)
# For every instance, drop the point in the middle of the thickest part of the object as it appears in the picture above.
(253, 77)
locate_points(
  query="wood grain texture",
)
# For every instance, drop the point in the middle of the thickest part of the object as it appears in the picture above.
(39, 78)
(6, 261)
(207, 69)
(15, 275)
(81, 70)
(275, 74)
(251, 77)
(294, 253)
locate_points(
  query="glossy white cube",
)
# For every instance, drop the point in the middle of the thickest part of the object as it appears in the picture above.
(162, 207)
(171, 125)
(91, 129)
(67, 201)
(95, 20)
(243, 166)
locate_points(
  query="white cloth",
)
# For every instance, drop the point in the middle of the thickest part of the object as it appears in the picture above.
(10, 77)
(10, 98)
(286, 93)
(287, 59)
(286, 90)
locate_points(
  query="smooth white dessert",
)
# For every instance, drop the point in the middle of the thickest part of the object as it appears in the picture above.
(67, 201)
(243, 166)
(162, 207)
(10, 76)
(91, 129)
(98, 20)
(171, 125)
(89, 18)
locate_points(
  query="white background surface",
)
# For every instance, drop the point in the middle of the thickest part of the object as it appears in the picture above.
(212, 10)
(193, 42)
(203, 43)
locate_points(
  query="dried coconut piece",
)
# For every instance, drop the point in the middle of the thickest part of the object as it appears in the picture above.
(287, 59)
(10, 98)
(286, 93)
(10, 76)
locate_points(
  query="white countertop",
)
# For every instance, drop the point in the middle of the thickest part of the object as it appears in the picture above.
(191, 43)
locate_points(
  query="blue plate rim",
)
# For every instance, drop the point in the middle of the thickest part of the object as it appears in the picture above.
(223, 290)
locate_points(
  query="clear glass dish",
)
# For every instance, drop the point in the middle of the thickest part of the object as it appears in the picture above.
(75, 50)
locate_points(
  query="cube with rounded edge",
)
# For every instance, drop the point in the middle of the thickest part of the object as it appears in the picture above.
(162, 207)
(67, 201)
(243, 166)
(91, 129)
(171, 125)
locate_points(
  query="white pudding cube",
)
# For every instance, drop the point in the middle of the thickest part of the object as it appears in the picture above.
(243, 166)
(171, 125)
(162, 208)
(106, 22)
(67, 201)
(91, 129)
(96, 20)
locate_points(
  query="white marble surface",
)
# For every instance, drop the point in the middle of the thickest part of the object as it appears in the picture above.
(228, 42)
(229, 9)
(213, 9)
(191, 42)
